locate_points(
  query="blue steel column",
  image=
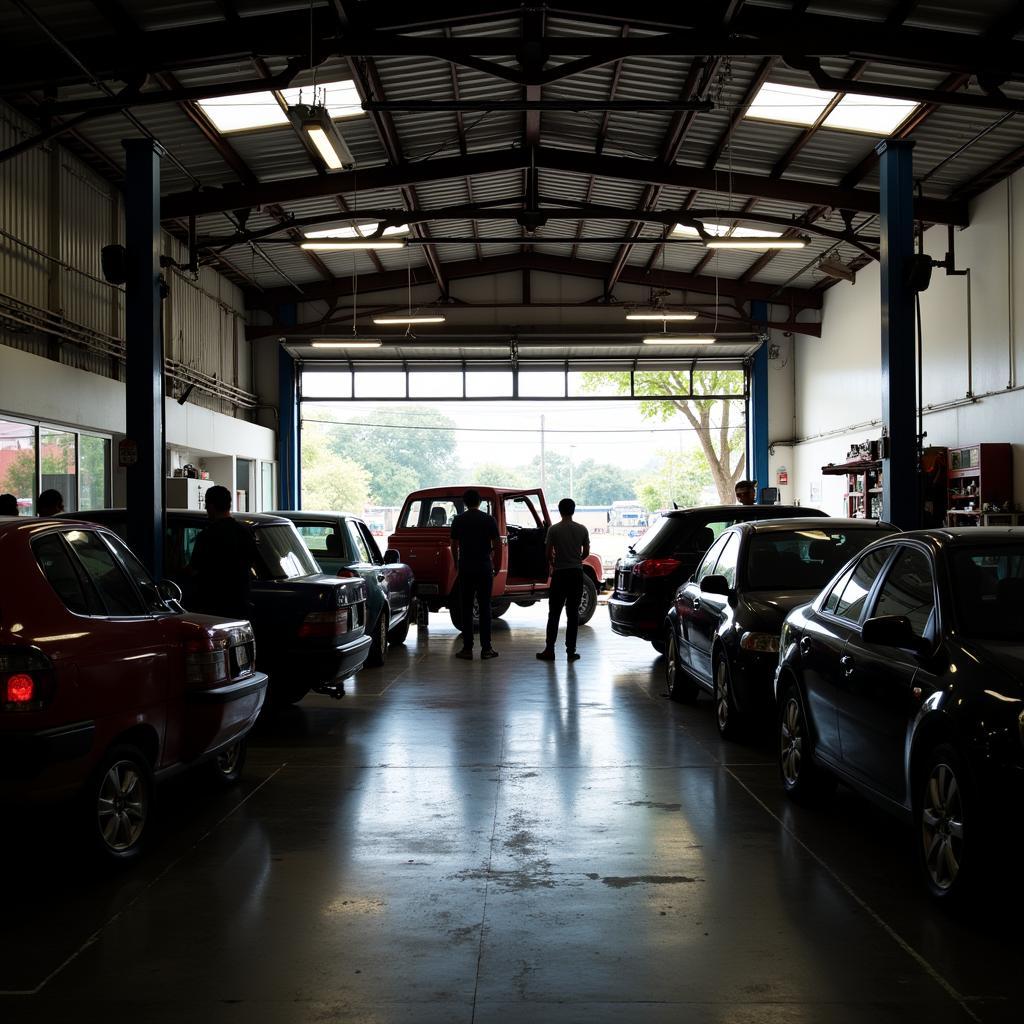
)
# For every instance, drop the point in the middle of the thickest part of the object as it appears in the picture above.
(288, 431)
(144, 354)
(899, 385)
(757, 430)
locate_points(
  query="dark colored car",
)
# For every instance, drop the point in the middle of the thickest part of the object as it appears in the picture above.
(664, 558)
(106, 685)
(905, 679)
(310, 627)
(343, 544)
(722, 630)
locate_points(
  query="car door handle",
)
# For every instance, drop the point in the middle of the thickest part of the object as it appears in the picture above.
(846, 664)
(696, 603)
(805, 646)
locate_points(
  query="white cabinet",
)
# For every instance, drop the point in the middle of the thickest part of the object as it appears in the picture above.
(187, 492)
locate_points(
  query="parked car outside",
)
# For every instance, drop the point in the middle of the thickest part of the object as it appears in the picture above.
(107, 685)
(904, 678)
(423, 538)
(343, 545)
(722, 630)
(664, 558)
(310, 627)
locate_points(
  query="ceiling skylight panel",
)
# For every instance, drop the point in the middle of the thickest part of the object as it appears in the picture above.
(875, 115)
(340, 98)
(789, 104)
(357, 231)
(244, 113)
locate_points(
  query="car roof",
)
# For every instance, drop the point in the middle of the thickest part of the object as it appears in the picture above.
(100, 515)
(459, 489)
(817, 522)
(741, 511)
(303, 515)
(962, 536)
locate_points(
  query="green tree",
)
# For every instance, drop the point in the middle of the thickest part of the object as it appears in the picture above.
(20, 479)
(598, 484)
(495, 474)
(401, 448)
(679, 477)
(330, 481)
(713, 420)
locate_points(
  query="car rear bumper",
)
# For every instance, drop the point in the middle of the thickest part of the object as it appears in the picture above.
(642, 616)
(218, 717)
(325, 665)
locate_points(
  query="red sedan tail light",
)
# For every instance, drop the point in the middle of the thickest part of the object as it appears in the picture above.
(206, 660)
(656, 567)
(327, 624)
(26, 679)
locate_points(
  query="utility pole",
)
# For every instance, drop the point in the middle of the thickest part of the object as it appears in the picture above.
(571, 494)
(543, 479)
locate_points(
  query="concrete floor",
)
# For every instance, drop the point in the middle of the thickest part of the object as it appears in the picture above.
(498, 841)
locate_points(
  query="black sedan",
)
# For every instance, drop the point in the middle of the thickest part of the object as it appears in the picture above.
(666, 555)
(310, 628)
(722, 631)
(905, 679)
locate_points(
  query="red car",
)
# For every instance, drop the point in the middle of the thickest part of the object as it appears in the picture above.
(106, 685)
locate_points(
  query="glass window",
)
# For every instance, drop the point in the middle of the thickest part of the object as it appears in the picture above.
(520, 512)
(114, 587)
(426, 384)
(18, 464)
(411, 515)
(59, 465)
(541, 384)
(60, 572)
(850, 603)
(837, 591)
(436, 512)
(708, 562)
(94, 476)
(326, 384)
(323, 539)
(284, 555)
(267, 486)
(907, 590)
(138, 572)
(375, 556)
(803, 559)
(726, 564)
(380, 384)
(489, 384)
(989, 588)
(358, 544)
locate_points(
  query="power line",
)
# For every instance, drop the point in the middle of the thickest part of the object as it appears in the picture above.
(511, 430)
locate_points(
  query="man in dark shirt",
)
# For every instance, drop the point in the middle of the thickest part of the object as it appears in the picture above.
(222, 560)
(567, 543)
(476, 550)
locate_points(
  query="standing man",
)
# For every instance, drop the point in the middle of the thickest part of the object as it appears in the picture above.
(568, 543)
(222, 560)
(49, 503)
(476, 551)
(746, 492)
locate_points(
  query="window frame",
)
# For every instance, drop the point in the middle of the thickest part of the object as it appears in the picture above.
(856, 623)
(707, 554)
(933, 626)
(107, 614)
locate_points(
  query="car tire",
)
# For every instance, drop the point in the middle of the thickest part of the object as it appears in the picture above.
(117, 804)
(285, 694)
(226, 767)
(802, 779)
(588, 600)
(659, 646)
(727, 718)
(398, 635)
(680, 686)
(950, 840)
(378, 642)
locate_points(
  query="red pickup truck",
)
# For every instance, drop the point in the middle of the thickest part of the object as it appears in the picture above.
(423, 538)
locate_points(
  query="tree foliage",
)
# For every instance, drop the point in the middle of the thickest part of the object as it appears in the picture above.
(713, 420)
(330, 481)
(679, 477)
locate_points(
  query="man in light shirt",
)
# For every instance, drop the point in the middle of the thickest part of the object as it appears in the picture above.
(568, 543)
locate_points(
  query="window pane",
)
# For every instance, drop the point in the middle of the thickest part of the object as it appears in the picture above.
(321, 539)
(726, 564)
(59, 571)
(94, 480)
(582, 382)
(116, 592)
(483, 384)
(283, 553)
(855, 593)
(435, 385)
(59, 465)
(837, 591)
(326, 385)
(707, 563)
(18, 464)
(907, 590)
(371, 544)
(988, 585)
(804, 559)
(150, 595)
(358, 544)
(541, 384)
(267, 485)
(383, 384)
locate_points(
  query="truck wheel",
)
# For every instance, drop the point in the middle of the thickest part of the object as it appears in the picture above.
(588, 600)
(498, 608)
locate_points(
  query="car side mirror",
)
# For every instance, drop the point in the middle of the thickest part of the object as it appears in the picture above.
(892, 631)
(169, 591)
(391, 556)
(715, 585)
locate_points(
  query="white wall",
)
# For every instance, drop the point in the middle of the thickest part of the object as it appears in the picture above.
(837, 379)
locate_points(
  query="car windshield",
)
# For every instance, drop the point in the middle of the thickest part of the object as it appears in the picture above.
(283, 553)
(988, 584)
(659, 537)
(803, 559)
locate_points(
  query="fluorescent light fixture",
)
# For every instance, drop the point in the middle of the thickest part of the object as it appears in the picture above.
(357, 231)
(316, 124)
(367, 243)
(677, 339)
(759, 242)
(340, 98)
(655, 314)
(349, 343)
(408, 319)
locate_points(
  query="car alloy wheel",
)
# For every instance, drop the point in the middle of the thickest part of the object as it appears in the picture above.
(122, 804)
(723, 699)
(942, 823)
(227, 765)
(588, 600)
(791, 739)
